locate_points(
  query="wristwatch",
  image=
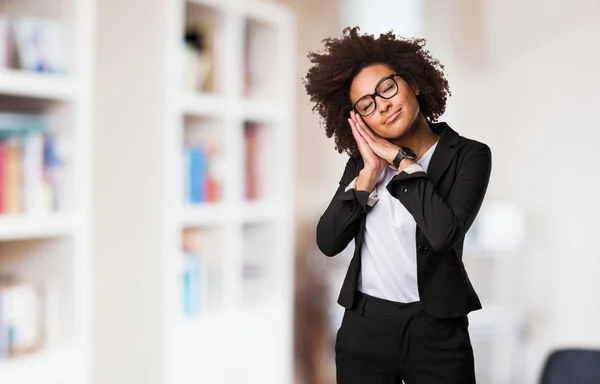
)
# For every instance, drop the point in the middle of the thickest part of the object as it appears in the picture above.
(402, 153)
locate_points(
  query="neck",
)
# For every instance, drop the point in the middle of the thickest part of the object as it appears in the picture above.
(419, 137)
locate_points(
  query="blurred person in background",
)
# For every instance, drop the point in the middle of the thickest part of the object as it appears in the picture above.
(410, 190)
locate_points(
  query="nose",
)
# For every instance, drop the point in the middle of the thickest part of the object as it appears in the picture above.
(383, 104)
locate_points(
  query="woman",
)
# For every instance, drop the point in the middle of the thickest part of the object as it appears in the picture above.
(410, 191)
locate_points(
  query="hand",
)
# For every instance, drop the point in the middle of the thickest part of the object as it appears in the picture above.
(371, 160)
(381, 147)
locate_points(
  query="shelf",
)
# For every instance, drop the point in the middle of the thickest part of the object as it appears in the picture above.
(20, 227)
(48, 367)
(207, 214)
(261, 211)
(213, 214)
(202, 104)
(34, 85)
(261, 110)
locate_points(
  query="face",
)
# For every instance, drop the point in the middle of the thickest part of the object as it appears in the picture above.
(392, 117)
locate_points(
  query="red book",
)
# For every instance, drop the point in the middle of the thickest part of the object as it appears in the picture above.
(212, 192)
(251, 137)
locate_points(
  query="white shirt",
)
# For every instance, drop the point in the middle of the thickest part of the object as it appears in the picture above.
(388, 254)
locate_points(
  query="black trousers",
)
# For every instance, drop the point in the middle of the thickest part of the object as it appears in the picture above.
(384, 342)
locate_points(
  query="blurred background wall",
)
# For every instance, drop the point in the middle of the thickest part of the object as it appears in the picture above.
(523, 76)
(523, 79)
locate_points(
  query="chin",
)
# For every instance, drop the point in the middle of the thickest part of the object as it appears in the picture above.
(399, 131)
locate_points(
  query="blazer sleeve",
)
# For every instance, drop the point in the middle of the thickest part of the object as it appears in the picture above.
(445, 222)
(341, 220)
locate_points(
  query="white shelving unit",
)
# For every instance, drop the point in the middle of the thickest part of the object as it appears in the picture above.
(53, 249)
(247, 336)
(23, 227)
(31, 85)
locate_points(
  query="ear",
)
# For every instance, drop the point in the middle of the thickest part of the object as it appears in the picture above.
(413, 86)
(415, 89)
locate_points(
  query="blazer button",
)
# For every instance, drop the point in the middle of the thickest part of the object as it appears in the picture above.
(422, 249)
(352, 207)
(405, 190)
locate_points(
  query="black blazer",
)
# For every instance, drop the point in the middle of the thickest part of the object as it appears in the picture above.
(444, 202)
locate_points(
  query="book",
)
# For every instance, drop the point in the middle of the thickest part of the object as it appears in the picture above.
(258, 159)
(32, 166)
(33, 174)
(251, 148)
(197, 176)
(22, 315)
(201, 272)
(39, 44)
(12, 176)
(199, 56)
(192, 274)
(201, 175)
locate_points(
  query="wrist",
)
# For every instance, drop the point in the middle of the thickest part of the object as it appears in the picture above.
(367, 178)
(391, 155)
(402, 155)
(405, 163)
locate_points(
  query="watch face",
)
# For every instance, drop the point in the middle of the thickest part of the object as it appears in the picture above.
(409, 153)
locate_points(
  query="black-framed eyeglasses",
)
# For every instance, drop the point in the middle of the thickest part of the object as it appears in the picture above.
(386, 89)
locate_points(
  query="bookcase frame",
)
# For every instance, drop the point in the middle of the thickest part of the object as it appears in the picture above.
(55, 248)
(249, 342)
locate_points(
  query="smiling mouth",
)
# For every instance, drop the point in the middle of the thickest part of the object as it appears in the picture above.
(393, 117)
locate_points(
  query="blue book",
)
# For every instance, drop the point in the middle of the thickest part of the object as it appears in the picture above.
(194, 169)
(191, 284)
(198, 173)
(52, 164)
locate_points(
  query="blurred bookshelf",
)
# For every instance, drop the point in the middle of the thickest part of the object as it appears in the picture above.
(45, 255)
(229, 233)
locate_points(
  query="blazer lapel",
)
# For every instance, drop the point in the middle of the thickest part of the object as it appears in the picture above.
(444, 152)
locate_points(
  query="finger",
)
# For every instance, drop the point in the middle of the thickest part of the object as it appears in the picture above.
(365, 128)
(355, 133)
(363, 145)
(359, 122)
(365, 132)
(355, 117)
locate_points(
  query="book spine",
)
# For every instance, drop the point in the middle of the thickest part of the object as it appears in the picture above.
(13, 174)
(33, 169)
(3, 181)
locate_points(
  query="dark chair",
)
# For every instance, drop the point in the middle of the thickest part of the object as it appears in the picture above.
(572, 366)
